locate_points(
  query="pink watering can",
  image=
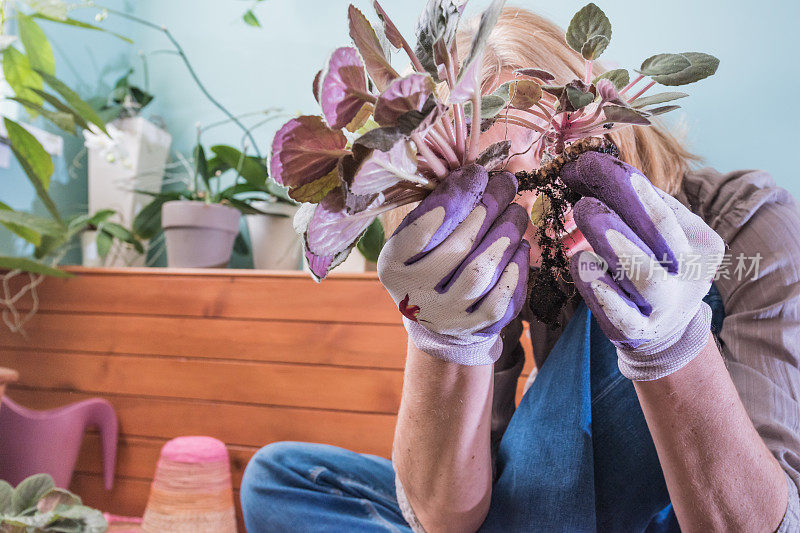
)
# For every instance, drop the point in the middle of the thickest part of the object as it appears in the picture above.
(33, 442)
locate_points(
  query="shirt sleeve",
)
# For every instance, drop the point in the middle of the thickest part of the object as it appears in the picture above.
(759, 281)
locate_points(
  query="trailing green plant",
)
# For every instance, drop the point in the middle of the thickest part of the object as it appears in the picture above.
(125, 99)
(37, 505)
(29, 68)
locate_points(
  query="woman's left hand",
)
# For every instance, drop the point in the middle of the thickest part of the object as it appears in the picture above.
(653, 263)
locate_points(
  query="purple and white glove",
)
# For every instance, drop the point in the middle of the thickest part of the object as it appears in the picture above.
(653, 263)
(457, 266)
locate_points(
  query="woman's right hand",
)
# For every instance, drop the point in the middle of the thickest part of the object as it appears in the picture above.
(457, 266)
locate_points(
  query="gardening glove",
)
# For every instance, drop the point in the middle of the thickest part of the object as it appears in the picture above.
(653, 263)
(457, 266)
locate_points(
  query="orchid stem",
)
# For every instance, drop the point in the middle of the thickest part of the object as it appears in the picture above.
(640, 93)
(631, 84)
(432, 159)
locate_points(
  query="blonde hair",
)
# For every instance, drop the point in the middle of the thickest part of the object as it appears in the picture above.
(524, 39)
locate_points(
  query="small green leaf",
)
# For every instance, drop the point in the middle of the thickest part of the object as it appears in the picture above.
(594, 47)
(61, 106)
(579, 99)
(316, 190)
(104, 241)
(625, 115)
(26, 233)
(250, 18)
(147, 222)
(35, 267)
(701, 66)
(20, 76)
(371, 242)
(40, 225)
(654, 99)
(123, 234)
(100, 216)
(491, 105)
(248, 167)
(584, 29)
(201, 166)
(64, 121)
(619, 77)
(663, 109)
(75, 101)
(28, 492)
(6, 496)
(54, 498)
(79, 24)
(37, 47)
(663, 64)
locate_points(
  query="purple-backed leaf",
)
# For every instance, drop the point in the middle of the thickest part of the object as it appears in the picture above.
(315, 85)
(392, 33)
(367, 42)
(401, 96)
(535, 73)
(382, 139)
(468, 84)
(343, 90)
(626, 115)
(361, 118)
(304, 150)
(316, 190)
(608, 92)
(421, 121)
(331, 232)
(375, 171)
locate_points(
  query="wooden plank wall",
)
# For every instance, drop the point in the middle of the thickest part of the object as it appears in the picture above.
(247, 357)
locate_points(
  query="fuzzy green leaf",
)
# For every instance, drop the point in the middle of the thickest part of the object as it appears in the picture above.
(491, 105)
(584, 29)
(6, 496)
(664, 64)
(436, 28)
(29, 490)
(250, 19)
(20, 76)
(75, 101)
(619, 77)
(663, 109)
(701, 66)
(37, 47)
(625, 115)
(654, 99)
(577, 98)
(485, 27)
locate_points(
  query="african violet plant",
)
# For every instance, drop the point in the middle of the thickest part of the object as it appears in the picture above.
(385, 140)
(36, 504)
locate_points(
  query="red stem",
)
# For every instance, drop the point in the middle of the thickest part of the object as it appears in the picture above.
(631, 84)
(640, 93)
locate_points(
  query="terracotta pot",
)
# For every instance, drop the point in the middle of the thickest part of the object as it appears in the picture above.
(199, 235)
(6, 376)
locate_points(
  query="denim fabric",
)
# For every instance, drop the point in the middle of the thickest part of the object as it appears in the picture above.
(577, 456)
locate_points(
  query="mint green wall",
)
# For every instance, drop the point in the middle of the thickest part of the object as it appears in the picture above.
(731, 118)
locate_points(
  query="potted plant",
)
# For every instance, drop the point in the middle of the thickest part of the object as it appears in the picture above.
(130, 157)
(36, 504)
(201, 221)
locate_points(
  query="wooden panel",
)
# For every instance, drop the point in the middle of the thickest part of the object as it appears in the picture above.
(323, 387)
(223, 293)
(373, 345)
(249, 425)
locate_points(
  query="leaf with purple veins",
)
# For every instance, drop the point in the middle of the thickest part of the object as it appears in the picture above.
(343, 90)
(401, 96)
(304, 150)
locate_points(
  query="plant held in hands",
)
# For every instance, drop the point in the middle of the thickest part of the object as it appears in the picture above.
(385, 140)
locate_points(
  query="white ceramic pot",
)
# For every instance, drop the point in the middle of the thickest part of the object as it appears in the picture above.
(274, 243)
(133, 159)
(199, 235)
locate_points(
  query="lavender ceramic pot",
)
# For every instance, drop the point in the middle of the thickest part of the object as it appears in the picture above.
(199, 235)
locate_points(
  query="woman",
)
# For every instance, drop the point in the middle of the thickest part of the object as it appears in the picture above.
(637, 420)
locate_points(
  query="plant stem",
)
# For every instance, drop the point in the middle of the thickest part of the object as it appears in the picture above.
(639, 78)
(458, 109)
(433, 161)
(191, 70)
(475, 131)
(640, 93)
(519, 121)
(445, 148)
(589, 64)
